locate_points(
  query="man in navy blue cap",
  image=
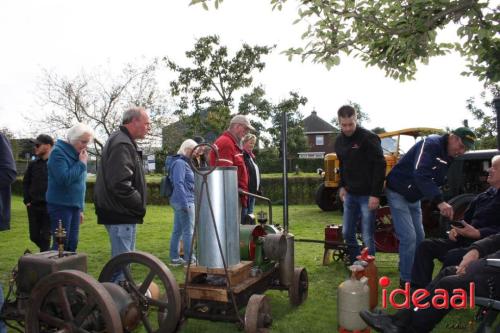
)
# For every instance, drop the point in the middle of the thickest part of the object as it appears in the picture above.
(418, 175)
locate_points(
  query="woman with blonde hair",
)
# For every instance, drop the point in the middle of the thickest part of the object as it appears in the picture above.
(182, 201)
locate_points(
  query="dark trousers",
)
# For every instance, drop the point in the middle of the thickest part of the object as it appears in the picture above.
(450, 253)
(424, 320)
(39, 226)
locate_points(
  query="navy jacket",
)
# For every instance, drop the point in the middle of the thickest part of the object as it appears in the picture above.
(7, 177)
(483, 212)
(66, 176)
(422, 170)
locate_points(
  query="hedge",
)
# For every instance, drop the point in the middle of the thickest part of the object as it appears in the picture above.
(301, 190)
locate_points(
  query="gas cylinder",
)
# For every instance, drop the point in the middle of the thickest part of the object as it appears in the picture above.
(371, 272)
(353, 296)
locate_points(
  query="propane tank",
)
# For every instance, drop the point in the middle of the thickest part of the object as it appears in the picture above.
(371, 273)
(353, 296)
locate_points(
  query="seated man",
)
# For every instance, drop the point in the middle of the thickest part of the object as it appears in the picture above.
(480, 221)
(471, 269)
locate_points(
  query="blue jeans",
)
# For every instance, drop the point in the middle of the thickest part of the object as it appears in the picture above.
(70, 218)
(122, 239)
(250, 205)
(183, 226)
(356, 208)
(407, 222)
(3, 328)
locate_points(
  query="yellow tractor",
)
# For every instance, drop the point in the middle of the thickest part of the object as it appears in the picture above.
(327, 193)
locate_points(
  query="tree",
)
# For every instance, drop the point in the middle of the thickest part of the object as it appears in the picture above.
(395, 35)
(99, 100)
(207, 88)
(360, 115)
(296, 140)
(486, 131)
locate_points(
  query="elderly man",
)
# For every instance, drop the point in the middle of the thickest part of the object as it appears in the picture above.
(471, 269)
(231, 153)
(34, 191)
(120, 188)
(480, 220)
(418, 175)
(362, 173)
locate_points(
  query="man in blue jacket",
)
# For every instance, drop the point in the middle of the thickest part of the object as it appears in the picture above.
(480, 220)
(7, 177)
(418, 175)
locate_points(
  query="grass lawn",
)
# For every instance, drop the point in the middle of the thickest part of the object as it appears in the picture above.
(317, 314)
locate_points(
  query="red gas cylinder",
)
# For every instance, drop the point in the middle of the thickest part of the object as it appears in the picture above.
(371, 273)
(333, 233)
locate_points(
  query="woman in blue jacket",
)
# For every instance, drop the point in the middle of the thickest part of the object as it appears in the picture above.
(182, 201)
(67, 174)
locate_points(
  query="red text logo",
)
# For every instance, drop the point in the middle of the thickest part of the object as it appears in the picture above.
(422, 299)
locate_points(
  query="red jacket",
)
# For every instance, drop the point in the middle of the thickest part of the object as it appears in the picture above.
(230, 154)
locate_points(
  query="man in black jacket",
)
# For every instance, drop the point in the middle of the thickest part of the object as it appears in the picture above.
(34, 190)
(120, 188)
(362, 172)
(472, 268)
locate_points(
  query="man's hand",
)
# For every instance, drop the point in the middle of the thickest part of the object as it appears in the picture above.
(28, 204)
(446, 210)
(342, 193)
(453, 234)
(467, 231)
(81, 217)
(468, 258)
(373, 203)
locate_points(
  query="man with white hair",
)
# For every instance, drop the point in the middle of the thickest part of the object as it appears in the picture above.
(230, 151)
(120, 188)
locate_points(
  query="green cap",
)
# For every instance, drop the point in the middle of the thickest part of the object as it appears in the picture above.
(468, 137)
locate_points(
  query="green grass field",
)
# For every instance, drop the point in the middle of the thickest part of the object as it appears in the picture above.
(317, 314)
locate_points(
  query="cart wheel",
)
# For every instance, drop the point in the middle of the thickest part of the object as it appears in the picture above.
(258, 314)
(300, 284)
(144, 272)
(71, 301)
(385, 235)
(338, 254)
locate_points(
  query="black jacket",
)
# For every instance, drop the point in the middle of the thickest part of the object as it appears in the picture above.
(253, 173)
(362, 162)
(488, 247)
(35, 183)
(120, 187)
(7, 177)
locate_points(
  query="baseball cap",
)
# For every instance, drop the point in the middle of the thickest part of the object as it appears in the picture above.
(468, 137)
(242, 120)
(43, 139)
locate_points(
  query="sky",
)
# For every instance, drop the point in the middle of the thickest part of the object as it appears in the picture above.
(68, 36)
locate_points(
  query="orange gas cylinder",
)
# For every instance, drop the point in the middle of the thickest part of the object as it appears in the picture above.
(371, 273)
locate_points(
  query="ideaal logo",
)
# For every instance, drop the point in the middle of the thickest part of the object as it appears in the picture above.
(420, 297)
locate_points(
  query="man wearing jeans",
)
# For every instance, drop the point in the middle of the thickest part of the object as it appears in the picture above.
(120, 188)
(418, 175)
(362, 171)
(7, 177)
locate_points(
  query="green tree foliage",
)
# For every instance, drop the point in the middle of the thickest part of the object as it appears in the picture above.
(99, 98)
(396, 35)
(486, 115)
(207, 88)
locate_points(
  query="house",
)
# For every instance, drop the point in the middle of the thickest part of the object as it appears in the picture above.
(320, 136)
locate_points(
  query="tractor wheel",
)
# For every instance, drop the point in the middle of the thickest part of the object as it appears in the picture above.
(327, 198)
(258, 315)
(150, 282)
(385, 235)
(71, 301)
(460, 203)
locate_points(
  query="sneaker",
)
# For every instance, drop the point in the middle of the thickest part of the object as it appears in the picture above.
(177, 262)
(192, 262)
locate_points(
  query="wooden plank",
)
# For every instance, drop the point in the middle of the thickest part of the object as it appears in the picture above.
(236, 273)
(206, 292)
